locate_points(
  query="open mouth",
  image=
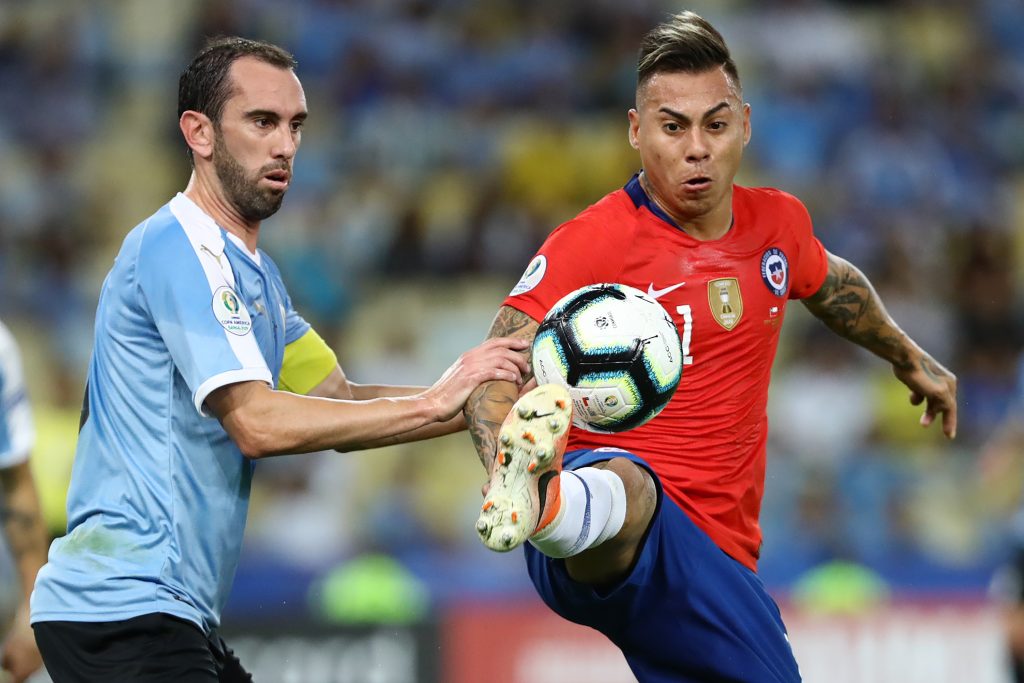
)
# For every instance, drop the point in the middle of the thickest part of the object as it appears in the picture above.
(278, 179)
(697, 184)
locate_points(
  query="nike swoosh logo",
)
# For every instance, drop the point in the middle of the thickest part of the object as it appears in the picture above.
(655, 293)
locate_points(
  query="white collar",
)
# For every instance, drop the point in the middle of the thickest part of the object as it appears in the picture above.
(208, 232)
(255, 256)
(204, 227)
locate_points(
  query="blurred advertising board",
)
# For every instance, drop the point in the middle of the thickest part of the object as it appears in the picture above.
(525, 642)
(314, 653)
(902, 642)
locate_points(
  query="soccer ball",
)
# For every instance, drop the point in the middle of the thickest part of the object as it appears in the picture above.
(616, 350)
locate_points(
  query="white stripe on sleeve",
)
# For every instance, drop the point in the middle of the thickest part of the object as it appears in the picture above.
(208, 246)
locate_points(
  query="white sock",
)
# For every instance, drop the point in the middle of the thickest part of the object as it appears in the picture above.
(593, 508)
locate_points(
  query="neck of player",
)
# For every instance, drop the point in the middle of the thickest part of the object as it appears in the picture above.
(705, 224)
(211, 199)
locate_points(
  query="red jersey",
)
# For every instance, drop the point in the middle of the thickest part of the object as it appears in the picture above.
(728, 299)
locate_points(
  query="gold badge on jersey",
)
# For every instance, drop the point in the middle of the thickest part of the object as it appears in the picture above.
(726, 301)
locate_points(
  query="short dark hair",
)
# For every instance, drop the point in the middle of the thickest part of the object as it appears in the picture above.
(686, 43)
(204, 85)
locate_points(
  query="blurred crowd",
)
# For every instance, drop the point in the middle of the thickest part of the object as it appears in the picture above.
(446, 139)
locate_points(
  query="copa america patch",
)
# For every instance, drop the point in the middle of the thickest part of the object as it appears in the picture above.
(775, 271)
(532, 277)
(230, 312)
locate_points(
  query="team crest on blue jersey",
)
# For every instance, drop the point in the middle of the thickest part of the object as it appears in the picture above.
(775, 271)
(230, 312)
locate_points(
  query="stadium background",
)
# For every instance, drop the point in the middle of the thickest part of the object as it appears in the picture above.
(446, 138)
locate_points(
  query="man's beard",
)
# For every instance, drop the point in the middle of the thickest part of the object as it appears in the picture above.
(252, 202)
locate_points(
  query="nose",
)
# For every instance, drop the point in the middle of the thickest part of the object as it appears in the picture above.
(286, 142)
(697, 148)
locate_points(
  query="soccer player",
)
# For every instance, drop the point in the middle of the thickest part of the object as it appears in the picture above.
(19, 506)
(651, 536)
(194, 330)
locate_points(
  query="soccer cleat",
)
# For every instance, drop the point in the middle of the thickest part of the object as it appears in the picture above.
(521, 500)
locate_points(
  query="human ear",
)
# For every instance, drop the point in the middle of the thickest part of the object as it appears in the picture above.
(197, 129)
(746, 124)
(634, 127)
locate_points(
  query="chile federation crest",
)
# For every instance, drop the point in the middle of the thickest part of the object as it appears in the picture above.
(775, 271)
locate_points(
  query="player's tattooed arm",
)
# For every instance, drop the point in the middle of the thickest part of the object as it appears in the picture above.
(849, 305)
(489, 403)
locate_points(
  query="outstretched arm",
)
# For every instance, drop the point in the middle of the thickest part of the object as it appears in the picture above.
(336, 385)
(489, 403)
(265, 422)
(850, 307)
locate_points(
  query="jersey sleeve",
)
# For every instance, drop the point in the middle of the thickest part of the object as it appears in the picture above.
(17, 434)
(188, 289)
(307, 357)
(295, 326)
(811, 265)
(578, 253)
(307, 362)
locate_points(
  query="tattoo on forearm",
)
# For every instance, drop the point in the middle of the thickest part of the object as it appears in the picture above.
(849, 306)
(485, 401)
(491, 402)
(930, 368)
(510, 323)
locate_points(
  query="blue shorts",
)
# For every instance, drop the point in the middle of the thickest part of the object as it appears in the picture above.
(686, 611)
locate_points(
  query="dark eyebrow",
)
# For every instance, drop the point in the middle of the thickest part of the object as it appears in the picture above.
(683, 118)
(273, 115)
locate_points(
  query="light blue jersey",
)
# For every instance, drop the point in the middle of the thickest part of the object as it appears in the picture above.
(16, 431)
(159, 492)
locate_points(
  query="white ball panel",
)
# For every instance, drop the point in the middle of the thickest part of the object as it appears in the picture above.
(548, 364)
(610, 398)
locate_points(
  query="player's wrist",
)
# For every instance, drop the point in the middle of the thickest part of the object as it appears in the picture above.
(429, 407)
(907, 355)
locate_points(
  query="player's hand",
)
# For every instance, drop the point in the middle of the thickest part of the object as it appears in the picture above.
(21, 656)
(500, 358)
(933, 385)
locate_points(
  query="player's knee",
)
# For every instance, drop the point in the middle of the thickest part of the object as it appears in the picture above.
(641, 500)
(592, 511)
(609, 561)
